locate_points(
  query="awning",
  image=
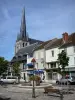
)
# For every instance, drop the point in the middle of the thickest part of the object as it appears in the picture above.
(30, 65)
(36, 72)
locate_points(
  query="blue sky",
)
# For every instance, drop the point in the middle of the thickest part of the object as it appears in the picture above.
(45, 19)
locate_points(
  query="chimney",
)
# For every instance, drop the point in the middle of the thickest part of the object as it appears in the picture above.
(65, 37)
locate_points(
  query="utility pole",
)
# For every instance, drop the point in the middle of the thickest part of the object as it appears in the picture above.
(33, 89)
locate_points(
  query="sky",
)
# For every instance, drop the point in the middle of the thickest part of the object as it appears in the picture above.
(45, 19)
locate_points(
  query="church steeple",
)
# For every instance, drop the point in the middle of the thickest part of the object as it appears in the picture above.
(23, 33)
(22, 38)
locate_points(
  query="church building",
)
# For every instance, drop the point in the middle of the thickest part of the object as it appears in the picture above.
(24, 47)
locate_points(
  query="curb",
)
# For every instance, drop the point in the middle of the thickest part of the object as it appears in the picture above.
(37, 87)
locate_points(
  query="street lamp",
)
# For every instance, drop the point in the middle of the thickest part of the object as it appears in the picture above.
(33, 89)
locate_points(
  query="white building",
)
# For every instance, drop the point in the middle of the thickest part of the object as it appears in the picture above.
(67, 43)
(39, 55)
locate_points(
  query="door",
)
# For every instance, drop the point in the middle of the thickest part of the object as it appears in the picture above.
(24, 76)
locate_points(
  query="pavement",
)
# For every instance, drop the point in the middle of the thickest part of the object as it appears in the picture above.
(16, 93)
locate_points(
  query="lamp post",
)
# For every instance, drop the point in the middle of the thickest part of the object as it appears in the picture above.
(33, 89)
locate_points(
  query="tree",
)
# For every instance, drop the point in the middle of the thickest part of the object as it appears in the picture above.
(63, 60)
(16, 68)
(3, 65)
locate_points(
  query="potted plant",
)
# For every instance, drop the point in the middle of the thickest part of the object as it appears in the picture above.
(36, 79)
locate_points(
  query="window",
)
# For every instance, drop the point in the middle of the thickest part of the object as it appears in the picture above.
(31, 55)
(42, 54)
(42, 64)
(54, 76)
(9, 77)
(14, 57)
(3, 77)
(74, 60)
(19, 56)
(24, 55)
(23, 44)
(74, 49)
(37, 65)
(49, 75)
(65, 49)
(52, 65)
(52, 53)
(48, 65)
(23, 65)
(26, 44)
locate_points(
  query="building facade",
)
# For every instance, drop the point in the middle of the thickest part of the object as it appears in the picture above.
(66, 43)
(39, 55)
(45, 54)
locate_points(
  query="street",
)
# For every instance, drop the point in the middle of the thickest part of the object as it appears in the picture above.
(16, 93)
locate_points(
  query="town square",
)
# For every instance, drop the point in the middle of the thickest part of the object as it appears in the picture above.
(37, 50)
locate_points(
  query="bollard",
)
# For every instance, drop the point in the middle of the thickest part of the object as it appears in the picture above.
(61, 96)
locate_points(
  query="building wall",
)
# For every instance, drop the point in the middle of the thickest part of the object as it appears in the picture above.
(49, 57)
(21, 66)
(29, 59)
(19, 45)
(39, 55)
(71, 55)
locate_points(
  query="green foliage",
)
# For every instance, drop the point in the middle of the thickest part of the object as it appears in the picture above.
(16, 68)
(63, 60)
(3, 65)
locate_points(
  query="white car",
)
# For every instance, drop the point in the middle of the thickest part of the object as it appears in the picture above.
(9, 79)
(65, 80)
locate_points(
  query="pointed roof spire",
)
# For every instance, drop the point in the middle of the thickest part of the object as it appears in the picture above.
(23, 26)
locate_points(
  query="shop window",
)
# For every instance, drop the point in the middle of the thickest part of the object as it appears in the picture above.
(54, 76)
(49, 75)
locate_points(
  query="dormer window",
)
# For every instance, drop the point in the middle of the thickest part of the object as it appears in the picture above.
(24, 55)
(14, 57)
(19, 56)
(23, 44)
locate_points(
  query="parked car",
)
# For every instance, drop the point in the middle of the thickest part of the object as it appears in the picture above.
(1, 82)
(9, 79)
(66, 80)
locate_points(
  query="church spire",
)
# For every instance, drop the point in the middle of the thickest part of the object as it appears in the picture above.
(23, 33)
